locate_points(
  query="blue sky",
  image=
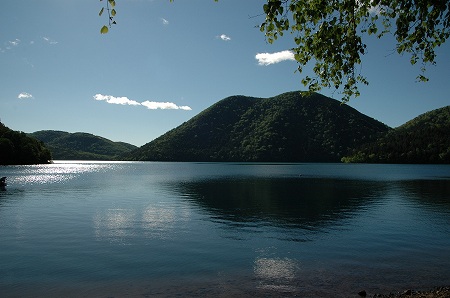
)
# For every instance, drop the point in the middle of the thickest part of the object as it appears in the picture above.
(164, 63)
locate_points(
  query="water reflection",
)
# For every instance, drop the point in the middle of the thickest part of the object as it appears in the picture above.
(431, 193)
(157, 221)
(52, 173)
(264, 228)
(302, 202)
(115, 224)
(276, 273)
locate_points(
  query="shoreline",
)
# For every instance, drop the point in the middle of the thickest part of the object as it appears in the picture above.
(205, 289)
(438, 292)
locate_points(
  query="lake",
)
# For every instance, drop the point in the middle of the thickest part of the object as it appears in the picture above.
(115, 229)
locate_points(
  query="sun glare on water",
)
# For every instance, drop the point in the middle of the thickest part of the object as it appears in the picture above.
(58, 172)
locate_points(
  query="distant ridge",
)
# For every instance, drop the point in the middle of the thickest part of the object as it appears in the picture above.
(424, 139)
(81, 146)
(289, 127)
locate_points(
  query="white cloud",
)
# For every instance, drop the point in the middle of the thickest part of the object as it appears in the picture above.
(375, 10)
(14, 42)
(24, 95)
(152, 105)
(272, 58)
(224, 37)
(372, 9)
(164, 21)
(50, 41)
(116, 100)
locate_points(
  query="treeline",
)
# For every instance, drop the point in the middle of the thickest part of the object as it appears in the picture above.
(425, 139)
(17, 148)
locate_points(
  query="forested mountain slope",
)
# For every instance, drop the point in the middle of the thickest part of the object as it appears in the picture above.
(425, 139)
(81, 146)
(286, 128)
(16, 148)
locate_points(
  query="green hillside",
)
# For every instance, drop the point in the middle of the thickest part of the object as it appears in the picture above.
(286, 128)
(425, 139)
(81, 146)
(16, 148)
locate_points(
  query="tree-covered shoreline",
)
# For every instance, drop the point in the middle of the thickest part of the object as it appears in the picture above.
(17, 148)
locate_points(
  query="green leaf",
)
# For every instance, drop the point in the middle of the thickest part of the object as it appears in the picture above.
(104, 30)
(422, 78)
(113, 12)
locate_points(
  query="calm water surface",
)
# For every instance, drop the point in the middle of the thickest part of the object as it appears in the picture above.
(105, 229)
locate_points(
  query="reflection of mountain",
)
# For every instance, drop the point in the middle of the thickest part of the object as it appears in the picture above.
(297, 201)
(429, 193)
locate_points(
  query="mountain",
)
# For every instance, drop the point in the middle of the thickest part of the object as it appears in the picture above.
(81, 146)
(19, 149)
(425, 139)
(291, 127)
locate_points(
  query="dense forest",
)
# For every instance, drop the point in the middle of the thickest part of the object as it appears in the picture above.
(291, 127)
(425, 139)
(17, 148)
(81, 146)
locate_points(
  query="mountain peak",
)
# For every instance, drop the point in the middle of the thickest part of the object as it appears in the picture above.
(289, 127)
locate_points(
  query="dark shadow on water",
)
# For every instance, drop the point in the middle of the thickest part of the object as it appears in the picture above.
(433, 193)
(307, 203)
(303, 202)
